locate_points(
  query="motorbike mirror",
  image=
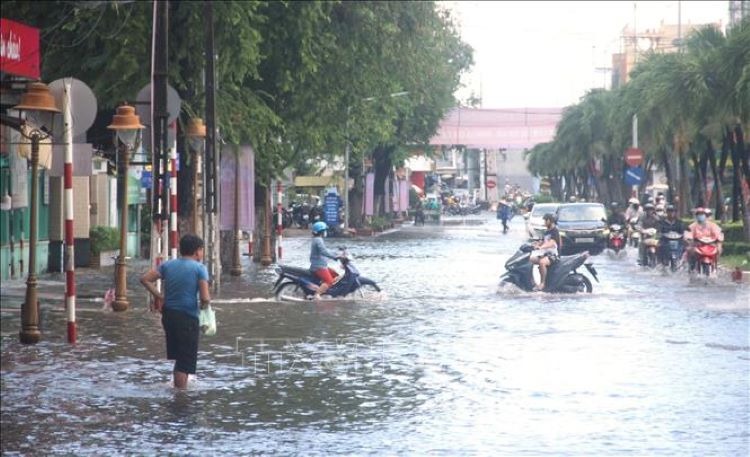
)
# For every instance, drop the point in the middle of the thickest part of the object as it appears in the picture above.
(527, 215)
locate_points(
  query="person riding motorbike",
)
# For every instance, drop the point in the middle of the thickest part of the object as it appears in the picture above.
(318, 262)
(547, 249)
(703, 228)
(649, 221)
(616, 216)
(671, 223)
(634, 209)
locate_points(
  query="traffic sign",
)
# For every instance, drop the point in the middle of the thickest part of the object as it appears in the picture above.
(633, 176)
(491, 184)
(633, 157)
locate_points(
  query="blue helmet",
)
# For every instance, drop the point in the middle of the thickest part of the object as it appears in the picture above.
(319, 226)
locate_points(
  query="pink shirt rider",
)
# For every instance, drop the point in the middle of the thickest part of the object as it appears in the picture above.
(706, 230)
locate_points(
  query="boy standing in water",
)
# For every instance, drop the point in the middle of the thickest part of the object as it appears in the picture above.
(184, 279)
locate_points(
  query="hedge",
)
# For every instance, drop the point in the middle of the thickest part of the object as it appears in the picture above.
(104, 239)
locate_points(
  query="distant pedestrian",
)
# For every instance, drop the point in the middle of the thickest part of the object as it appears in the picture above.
(503, 213)
(185, 278)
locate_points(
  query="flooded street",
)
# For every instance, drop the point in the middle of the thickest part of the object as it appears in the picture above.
(441, 364)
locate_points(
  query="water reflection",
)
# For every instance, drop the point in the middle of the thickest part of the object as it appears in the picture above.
(648, 364)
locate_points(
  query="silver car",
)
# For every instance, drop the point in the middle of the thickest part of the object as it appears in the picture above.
(534, 223)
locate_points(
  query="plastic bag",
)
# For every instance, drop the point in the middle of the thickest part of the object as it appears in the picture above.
(207, 321)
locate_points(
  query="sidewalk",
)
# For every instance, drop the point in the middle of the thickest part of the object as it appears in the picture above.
(91, 285)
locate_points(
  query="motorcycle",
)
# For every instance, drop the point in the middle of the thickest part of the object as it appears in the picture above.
(651, 246)
(301, 214)
(635, 232)
(295, 284)
(286, 218)
(616, 240)
(562, 275)
(673, 250)
(707, 253)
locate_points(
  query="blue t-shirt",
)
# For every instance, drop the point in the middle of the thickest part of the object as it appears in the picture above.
(181, 278)
(318, 254)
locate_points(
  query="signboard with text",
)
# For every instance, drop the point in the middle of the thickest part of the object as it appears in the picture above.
(19, 49)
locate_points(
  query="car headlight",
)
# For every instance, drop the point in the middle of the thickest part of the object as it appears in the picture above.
(605, 232)
(563, 233)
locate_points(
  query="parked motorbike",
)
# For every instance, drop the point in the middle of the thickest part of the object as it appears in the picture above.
(562, 275)
(673, 250)
(295, 284)
(301, 214)
(286, 218)
(651, 246)
(707, 253)
(616, 240)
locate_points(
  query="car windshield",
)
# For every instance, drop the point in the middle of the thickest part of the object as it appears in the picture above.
(581, 213)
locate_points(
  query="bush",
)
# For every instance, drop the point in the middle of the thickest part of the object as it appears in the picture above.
(542, 198)
(104, 239)
(380, 223)
(733, 231)
(736, 248)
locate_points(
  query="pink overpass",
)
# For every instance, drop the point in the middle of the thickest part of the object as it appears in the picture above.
(510, 128)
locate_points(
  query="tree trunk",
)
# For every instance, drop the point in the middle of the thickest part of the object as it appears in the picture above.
(668, 171)
(381, 160)
(719, 213)
(736, 179)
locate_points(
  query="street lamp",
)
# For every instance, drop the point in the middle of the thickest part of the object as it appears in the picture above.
(126, 125)
(196, 137)
(347, 153)
(39, 106)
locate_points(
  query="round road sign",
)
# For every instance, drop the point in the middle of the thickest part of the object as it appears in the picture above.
(633, 157)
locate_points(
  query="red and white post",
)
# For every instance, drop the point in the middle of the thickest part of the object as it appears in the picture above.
(70, 274)
(279, 220)
(173, 241)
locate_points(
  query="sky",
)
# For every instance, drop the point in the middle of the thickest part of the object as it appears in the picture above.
(546, 54)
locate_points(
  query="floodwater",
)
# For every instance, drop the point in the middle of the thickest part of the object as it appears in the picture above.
(443, 364)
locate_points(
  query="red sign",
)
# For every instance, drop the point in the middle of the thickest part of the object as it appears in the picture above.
(633, 157)
(19, 49)
(491, 184)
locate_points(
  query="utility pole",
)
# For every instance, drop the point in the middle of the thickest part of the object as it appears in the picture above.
(211, 162)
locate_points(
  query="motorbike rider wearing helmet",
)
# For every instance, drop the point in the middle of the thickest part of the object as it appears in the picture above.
(318, 262)
(634, 209)
(546, 249)
(703, 228)
(649, 220)
(616, 216)
(671, 223)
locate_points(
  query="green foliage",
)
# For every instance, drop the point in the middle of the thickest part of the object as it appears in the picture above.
(104, 239)
(733, 231)
(542, 198)
(381, 223)
(741, 248)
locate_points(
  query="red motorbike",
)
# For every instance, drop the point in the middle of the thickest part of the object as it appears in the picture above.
(616, 240)
(707, 253)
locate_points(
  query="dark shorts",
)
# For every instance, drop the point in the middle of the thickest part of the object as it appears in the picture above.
(181, 331)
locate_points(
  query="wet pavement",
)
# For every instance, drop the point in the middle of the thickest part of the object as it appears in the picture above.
(443, 363)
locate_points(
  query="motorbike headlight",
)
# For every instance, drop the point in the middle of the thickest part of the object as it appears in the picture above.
(278, 270)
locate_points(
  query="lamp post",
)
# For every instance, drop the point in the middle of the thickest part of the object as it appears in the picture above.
(40, 109)
(347, 153)
(196, 136)
(126, 124)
